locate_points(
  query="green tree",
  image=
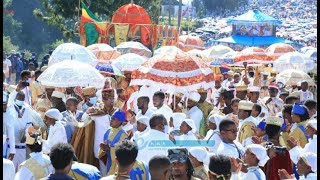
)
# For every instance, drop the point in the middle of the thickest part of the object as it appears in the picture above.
(46, 48)
(11, 27)
(7, 45)
(65, 14)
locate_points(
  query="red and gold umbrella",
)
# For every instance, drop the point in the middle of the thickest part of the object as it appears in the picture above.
(177, 72)
(187, 43)
(276, 50)
(103, 52)
(252, 55)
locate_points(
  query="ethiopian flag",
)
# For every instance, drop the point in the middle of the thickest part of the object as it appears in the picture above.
(87, 15)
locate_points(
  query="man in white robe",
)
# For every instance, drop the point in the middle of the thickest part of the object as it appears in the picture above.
(22, 118)
(304, 93)
(22, 86)
(8, 130)
(229, 145)
(38, 165)
(57, 133)
(194, 112)
(155, 141)
(160, 107)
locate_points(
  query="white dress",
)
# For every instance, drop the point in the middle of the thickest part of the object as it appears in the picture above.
(57, 134)
(196, 115)
(254, 173)
(213, 136)
(235, 150)
(44, 160)
(8, 129)
(164, 110)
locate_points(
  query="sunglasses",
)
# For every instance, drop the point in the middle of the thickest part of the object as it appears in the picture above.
(232, 130)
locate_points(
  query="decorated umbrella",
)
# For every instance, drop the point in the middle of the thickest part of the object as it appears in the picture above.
(166, 50)
(293, 76)
(196, 52)
(72, 51)
(129, 62)
(215, 52)
(109, 69)
(312, 54)
(305, 49)
(134, 47)
(71, 73)
(103, 51)
(180, 72)
(252, 55)
(187, 43)
(294, 60)
(278, 49)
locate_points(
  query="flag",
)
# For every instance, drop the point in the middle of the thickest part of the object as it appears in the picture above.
(87, 15)
(225, 65)
(121, 33)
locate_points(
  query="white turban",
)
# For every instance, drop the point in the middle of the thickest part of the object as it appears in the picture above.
(310, 159)
(190, 122)
(199, 153)
(177, 119)
(144, 120)
(215, 118)
(57, 94)
(54, 114)
(260, 153)
(194, 96)
(312, 123)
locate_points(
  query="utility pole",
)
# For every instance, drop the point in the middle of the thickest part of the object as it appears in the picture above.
(179, 13)
(170, 7)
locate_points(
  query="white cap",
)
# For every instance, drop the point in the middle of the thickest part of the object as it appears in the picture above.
(194, 96)
(144, 120)
(54, 114)
(190, 122)
(57, 94)
(254, 89)
(215, 118)
(177, 119)
(280, 80)
(310, 159)
(260, 153)
(312, 123)
(199, 153)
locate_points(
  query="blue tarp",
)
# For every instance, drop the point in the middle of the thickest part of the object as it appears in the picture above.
(252, 40)
(253, 16)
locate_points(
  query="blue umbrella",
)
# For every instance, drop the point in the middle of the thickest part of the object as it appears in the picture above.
(109, 69)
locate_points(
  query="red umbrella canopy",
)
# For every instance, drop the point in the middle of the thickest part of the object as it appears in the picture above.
(252, 55)
(132, 14)
(278, 49)
(187, 43)
(177, 71)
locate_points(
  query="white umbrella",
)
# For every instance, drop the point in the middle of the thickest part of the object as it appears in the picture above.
(294, 60)
(166, 50)
(71, 73)
(129, 62)
(134, 47)
(293, 76)
(312, 54)
(305, 49)
(72, 51)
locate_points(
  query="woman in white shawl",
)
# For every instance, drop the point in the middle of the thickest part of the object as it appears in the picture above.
(213, 135)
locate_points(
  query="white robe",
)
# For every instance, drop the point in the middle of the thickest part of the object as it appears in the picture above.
(213, 136)
(27, 93)
(215, 95)
(164, 110)
(43, 160)
(230, 149)
(8, 129)
(311, 146)
(196, 115)
(305, 95)
(57, 134)
(102, 124)
(311, 176)
(250, 174)
(137, 134)
(20, 125)
(8, 169)
(147, 151)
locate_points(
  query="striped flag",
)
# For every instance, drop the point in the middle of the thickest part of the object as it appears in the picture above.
(87, 15)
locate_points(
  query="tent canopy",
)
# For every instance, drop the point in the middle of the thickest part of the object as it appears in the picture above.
(253, 16)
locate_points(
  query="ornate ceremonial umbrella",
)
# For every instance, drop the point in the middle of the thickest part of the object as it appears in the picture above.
(134, 47)
(252, 55)
(276, 50)
(103, 52)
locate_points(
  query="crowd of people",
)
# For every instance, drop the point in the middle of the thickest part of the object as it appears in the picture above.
(249, 126)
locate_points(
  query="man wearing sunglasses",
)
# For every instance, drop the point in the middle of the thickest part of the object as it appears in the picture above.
(229, 146)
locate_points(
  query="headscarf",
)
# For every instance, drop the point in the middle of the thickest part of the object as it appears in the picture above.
(260, 153)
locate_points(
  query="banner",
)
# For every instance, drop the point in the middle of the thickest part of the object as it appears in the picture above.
(87, 15)
(121, 33)
(146, 33)
(91, 33)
